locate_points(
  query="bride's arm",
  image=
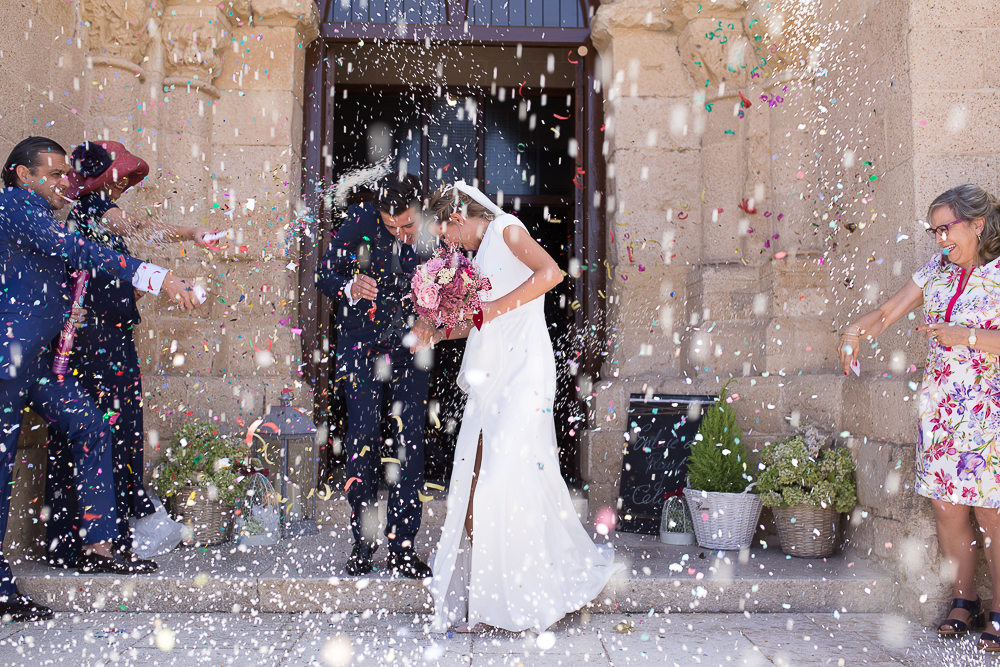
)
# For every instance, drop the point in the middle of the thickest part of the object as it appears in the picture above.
(546, 273)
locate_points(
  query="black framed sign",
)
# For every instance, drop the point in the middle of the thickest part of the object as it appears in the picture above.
(660, 431)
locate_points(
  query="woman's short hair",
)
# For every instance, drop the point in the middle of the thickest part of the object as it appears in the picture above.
(396, 194)
(26, 153)
(968, 202)
(448, 200)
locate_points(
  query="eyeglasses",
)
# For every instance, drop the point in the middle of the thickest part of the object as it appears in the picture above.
(933, 232)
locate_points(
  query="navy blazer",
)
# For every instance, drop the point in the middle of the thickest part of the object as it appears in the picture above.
(364, 244)
(35, 250)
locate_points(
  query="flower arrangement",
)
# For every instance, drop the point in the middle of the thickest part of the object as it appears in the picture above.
(446, 288)
(718, 458)
(800, 471)
(200, 456)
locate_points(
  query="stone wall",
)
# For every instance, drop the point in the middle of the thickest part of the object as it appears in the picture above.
(210, 95)
(872, 109)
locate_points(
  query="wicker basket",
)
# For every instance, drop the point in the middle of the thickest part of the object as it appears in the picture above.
(807, 532)
(724, 520)
(208, 520)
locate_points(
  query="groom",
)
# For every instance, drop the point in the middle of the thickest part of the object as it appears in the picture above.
(367, 272)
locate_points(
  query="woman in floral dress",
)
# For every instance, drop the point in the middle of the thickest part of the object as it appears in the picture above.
(958, 460)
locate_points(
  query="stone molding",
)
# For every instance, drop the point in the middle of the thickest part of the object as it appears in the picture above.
(117, 28)
(119, 63)
(197, 84)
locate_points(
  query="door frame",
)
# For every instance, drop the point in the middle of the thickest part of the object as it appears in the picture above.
(317, 168)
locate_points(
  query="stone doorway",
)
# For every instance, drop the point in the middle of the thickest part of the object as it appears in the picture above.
(463, 111)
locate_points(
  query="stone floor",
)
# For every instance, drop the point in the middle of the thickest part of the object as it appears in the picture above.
(306, 574)
(368, 640)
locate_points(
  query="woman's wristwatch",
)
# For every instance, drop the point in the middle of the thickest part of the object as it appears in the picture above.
(972, 337)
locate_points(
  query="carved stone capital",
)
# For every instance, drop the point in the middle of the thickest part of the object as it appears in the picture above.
(191, 42)
(301, 14)
(717, 50)
(614, 18)
(117, 29)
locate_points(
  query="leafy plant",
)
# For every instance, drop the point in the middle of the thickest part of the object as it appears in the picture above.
(799, 471)
(718, 459)
(200, 456)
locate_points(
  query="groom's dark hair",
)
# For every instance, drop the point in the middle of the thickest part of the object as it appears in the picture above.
(396, 194)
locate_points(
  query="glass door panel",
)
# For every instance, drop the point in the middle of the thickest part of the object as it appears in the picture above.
(452, 139)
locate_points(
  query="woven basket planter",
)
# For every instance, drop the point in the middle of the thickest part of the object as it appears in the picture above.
(807, 532)
(208, 520)
(723, 520)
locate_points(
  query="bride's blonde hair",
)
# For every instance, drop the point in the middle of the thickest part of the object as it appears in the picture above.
(448, 200)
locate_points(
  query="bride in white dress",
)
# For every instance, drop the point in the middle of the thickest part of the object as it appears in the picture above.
(513, 553)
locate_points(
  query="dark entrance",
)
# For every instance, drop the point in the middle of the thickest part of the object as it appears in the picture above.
(467, 111)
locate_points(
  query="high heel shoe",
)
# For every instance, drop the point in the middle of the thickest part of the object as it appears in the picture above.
(958, 628)
(994, 625)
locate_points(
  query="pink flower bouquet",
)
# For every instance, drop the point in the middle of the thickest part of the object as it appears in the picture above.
(446, 288)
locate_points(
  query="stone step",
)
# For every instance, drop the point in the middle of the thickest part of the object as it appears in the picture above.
(336, 513)
(306, 574)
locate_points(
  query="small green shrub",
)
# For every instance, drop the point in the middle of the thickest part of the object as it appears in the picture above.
(718, 459)
(200, 456)
(799, 471)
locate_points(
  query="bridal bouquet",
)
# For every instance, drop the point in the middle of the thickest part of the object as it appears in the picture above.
(447, 287)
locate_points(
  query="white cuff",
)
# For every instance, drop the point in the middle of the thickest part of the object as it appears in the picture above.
(347, 292)
(149, 278)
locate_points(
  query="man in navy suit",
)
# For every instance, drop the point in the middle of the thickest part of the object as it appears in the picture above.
(367, 272)
(35, 251)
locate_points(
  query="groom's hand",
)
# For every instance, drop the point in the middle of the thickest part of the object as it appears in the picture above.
(364, 287)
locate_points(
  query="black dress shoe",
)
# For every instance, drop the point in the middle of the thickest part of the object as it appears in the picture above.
(360, 561)
(92, 563)
(19, 607)
(149, 566)
(407, 563)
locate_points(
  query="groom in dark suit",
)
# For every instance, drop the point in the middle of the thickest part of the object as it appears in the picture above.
(367, 272)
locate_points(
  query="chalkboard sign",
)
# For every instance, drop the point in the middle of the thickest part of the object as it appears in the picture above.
(660, 430)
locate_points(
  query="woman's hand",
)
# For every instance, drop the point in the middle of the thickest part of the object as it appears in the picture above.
(847, 349)
(198, 235)
(426, 336)
(946, 333)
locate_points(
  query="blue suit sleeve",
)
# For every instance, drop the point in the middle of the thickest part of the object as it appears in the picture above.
(339, 264)
(35, 228)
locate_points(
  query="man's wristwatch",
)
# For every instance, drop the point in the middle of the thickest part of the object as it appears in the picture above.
(972, 337)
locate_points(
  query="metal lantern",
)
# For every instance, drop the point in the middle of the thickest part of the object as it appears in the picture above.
(292, 436)
(676, 526)
(258, 523)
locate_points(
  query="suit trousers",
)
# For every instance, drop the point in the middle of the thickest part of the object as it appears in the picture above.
(70, 410)
(368, 377)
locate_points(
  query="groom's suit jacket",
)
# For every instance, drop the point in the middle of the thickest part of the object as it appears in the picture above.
(363, 244)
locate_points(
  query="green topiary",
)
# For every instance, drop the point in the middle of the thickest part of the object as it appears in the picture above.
(718, 459)
(200, 456)
(798, 471)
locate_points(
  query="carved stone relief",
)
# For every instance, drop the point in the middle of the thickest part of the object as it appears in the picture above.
(117, 28)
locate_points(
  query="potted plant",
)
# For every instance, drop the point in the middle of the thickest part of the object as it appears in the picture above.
(199, 475)
(724, 511)
(808, 486)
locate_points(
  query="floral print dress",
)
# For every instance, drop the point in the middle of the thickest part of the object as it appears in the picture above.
(958, 459)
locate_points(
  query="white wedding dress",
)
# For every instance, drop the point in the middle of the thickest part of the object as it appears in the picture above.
(532, 561)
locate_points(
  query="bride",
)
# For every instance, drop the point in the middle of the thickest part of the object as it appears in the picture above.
(513, 553)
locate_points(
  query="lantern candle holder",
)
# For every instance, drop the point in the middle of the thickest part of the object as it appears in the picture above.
(676, 526)
(289, 432)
